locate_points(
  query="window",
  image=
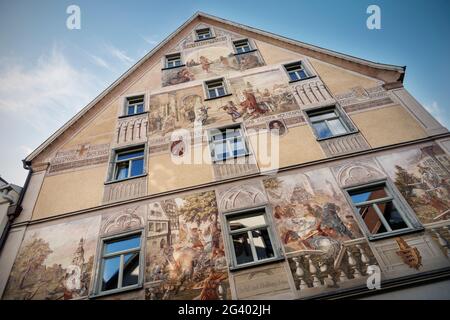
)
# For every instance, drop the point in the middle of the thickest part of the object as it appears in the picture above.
(215, 88)
(135, 105)
(173, 60)
(227, 143)
(242, 46)
(327, 123)
(381, 211)
(128, 164)
(296, 71)
(203, 34)
(250, 237)
(120, 263)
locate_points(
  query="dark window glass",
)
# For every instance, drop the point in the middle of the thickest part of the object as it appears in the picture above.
(246, 222)
(137, 167)
(242, 248)
(322, 130)
(392, 216)
(131, 269)
(368, 194)
(371, 219)
(122, 171)
(262, 243)
(128, 155)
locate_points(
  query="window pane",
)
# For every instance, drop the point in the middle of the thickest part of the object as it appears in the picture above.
(322, 130)
(246, 221)
(123, 244)
(212, 93)
(122, 171)
(392, 215)
(110, 276)
(293, 76)
(371, 219)
(137, 167)
(242, 248)
(302, 73)
(128, 155)
(238, 146)
(221, 91)
(130, 110)
(336, 126)
(130, 269)
(263, 246)
(323, 116)
(140, 108)
(377, 192)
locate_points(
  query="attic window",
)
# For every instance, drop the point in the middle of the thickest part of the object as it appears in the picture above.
(203, 34)
(296, 71)
(242, 46)
(215, 88)
(173, 60)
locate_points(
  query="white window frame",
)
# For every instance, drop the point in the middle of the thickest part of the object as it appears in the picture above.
(269, 226)
(289, 67)
(229, 145)
(407, 214)
(118, 152)
(175, 59)
(216, 88)
(135, 104)
(200, 37)
(338, 114)
(244, 43)
(102, 256)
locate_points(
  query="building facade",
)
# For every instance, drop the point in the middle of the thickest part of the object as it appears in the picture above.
(232, 163)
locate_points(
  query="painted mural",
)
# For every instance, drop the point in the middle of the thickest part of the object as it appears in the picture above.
(310, 212)
(217, 59)
(185, 252)
(55, 262)
(252, 97)
(423, 178)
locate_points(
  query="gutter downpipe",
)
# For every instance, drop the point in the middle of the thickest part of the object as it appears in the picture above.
(18, 207)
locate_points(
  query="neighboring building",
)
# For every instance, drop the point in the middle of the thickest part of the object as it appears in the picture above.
(9, 197)
(363, 182)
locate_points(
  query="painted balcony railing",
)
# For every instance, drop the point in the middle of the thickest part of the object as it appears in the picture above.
(314, 271)
(131, 129)
(312, 92)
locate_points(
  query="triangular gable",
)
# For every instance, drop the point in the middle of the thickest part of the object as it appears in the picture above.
(386, 73)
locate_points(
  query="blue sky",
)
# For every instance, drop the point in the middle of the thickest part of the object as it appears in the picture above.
(48, 72)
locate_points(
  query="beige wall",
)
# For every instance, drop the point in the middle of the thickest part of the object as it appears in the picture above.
(70, 191)
(387, 126)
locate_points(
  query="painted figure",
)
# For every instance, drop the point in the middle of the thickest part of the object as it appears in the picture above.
(232, 110)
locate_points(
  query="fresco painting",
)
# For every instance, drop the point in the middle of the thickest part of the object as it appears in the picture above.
(185, 252)
(311, 213)
(423, 178)
(216, 60)
(252, 97)
(55, 262)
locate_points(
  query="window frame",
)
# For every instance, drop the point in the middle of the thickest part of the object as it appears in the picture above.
(210, 135)
(113, 162)
(98, 292)
(168, 59)
(339, 114)
(223, 86)
(269, 226)
(302, 67)
(127, 105)
(406, 213)
(248, 44)
(197, 35)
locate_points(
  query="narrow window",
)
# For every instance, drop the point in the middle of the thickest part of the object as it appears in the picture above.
(120, 263)
(215, 88)
(129, 164)
(227, 143)
(296, 71)
(327, 123)
(203, 34)
(135, 105)
(380, 209)
(250, 237)
(173, 60)
(242, 46)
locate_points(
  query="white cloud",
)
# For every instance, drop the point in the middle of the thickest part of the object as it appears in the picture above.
(150, 40)
(46, 94)
(439, 113)
(119, 54)
(99, 61)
